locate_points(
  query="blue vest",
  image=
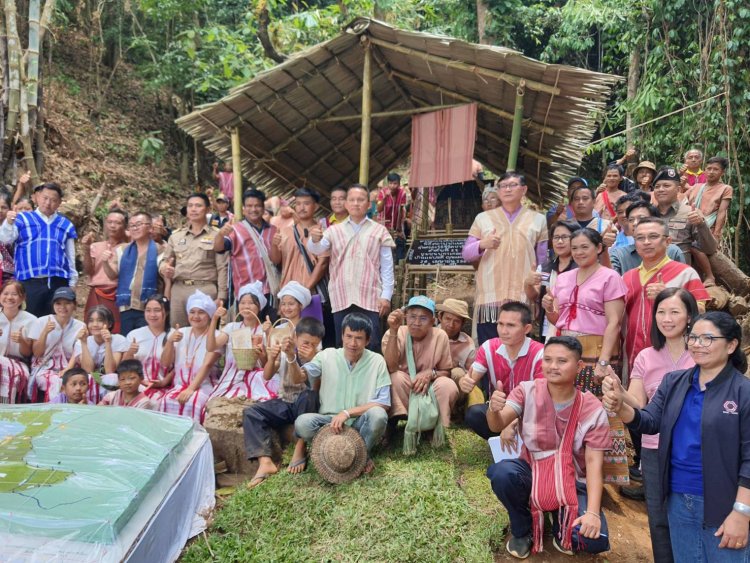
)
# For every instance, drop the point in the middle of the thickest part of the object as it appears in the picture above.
(40, 247)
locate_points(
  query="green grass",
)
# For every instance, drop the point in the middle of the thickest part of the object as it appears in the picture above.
(435, 506)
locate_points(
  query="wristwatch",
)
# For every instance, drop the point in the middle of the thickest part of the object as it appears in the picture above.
(434, 374)
(603, 363)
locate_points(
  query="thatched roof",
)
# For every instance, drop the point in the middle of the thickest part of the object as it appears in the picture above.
(287, 141)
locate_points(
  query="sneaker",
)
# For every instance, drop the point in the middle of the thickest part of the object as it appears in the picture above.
(635, 473)
(633, 493)
(519, 548)
(560, 548)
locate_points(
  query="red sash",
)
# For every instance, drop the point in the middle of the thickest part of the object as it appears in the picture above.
(608, 205)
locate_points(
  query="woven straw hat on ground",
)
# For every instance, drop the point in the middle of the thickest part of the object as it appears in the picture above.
(339, 458)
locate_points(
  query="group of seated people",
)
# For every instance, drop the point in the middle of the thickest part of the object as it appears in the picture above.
(170, 321)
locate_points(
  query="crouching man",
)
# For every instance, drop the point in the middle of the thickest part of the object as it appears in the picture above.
(355, 388)
(564, 434)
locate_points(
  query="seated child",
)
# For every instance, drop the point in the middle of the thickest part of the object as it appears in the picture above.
(75, 383)
(295, 398)
(293, 298)
(565, 433)
(129, 379)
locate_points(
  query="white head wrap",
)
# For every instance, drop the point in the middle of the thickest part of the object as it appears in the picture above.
(200, 300)
(489, 190)
(255, 288)
(298, 291)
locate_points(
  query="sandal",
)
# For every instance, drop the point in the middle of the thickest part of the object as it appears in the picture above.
(257, 480)
(297, 463)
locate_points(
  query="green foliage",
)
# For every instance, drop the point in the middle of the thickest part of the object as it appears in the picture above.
(74, 88)
(151, 148)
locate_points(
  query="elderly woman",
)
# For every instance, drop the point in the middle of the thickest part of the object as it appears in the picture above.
(588, 303)
(490, 199)
(702, 416)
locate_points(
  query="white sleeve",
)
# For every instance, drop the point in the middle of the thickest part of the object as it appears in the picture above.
(120, 343)
(386, 272)
(70, 252)
(318, 248)
(8, 233)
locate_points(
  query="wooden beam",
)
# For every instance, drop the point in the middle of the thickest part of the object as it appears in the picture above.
(486, 107)
(473, 69)
(394, 113)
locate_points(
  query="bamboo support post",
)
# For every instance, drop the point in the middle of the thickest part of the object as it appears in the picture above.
(515, 135)
(394, 113)
(237, 172)
(364, 148)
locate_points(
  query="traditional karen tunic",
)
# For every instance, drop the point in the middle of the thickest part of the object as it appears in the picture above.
(117, 399)
(344, 388)
(150, 347)
(502, 270)
(97, 388)
(708, 199)
(492, 358)
(46, 371)
(14, 370)
(639, 308)
(246, 384)
(462, 351)
(190, 353)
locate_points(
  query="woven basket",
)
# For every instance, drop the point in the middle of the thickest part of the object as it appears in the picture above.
(277, 333)
(245, 355)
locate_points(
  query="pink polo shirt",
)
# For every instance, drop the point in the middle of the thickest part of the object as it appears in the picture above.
(493, 354)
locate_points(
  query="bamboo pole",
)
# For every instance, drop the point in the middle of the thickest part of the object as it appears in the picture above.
(237, 172)
(515, 134)
(32, 59)
(473, 69)
(14, 72)
(364, 147)
(393, 113)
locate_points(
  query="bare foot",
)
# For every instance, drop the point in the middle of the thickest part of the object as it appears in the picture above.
(266, 468)
(299, 458)
(369, 467)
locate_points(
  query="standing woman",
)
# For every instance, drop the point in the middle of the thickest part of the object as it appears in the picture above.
(7, 261)
(702, 415)
(147, 344)
(588, 303)
(193, 365)
(536, 286)
(53, 339)
(15, 347)
(674, 312)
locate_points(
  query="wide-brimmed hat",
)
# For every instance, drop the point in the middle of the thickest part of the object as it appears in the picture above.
(339, 458)
(455, 307)
(647, 164)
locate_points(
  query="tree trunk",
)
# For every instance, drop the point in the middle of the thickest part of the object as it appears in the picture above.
(14, 75)
(265, 39)
(634, 71)
(729, 274)
(482, 11)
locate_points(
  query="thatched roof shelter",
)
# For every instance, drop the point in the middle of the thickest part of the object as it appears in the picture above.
(292, 134)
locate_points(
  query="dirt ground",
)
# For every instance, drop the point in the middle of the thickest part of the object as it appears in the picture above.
(628, 534)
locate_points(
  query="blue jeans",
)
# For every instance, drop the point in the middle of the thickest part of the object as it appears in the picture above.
(371, 425)
(511, 483)
(692, 542)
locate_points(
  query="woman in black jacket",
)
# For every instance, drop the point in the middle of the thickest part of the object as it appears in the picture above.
(703, 417)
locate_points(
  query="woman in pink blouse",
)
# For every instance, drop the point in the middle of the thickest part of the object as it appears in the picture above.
(588, 303)
(674, 312)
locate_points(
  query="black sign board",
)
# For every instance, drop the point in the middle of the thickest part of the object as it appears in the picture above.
(436, 252)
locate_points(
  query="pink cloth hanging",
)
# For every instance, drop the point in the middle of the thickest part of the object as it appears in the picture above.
(442, 146)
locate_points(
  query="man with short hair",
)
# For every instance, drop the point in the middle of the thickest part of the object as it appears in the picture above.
(714, 196)
(624, 236)
(354, 387)
(391, 206)
(253, 256)
(102, 288)
(565, 433)
(644, 283)
(503, 362)
(626, 258)
(45, 255)
(338, 207)
(582, 201)
(565, 212)
(190, 261)
(691, 172)
(134, 267)
(507, 243)
(361, 265)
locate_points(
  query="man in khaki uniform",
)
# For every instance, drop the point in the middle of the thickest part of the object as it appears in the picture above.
(190, 261)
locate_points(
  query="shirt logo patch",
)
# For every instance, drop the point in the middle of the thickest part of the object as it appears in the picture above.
(730, 407)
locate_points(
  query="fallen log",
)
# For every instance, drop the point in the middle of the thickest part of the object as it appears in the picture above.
(727, 272)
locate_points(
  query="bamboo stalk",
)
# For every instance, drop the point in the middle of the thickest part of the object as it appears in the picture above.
(28, 147)
(237, 172)
(515, 134)
(32, 57)
(14, 72)
(364, 148)
(393, 113)
(473, 69)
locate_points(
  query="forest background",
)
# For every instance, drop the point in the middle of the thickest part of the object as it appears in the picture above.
(672, 55)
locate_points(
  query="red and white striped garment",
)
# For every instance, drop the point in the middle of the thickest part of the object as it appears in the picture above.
(355, 264)
(492, 357)
(247, 264)
(117, 399)
(150, 347)
(46, 371)
(14, 373)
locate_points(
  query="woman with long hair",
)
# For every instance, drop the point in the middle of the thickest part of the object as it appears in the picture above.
(702, 416)
(15, 347)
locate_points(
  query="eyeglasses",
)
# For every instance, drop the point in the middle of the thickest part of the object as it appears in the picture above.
(414, 319)
(561, 238)
(650, 238)
(512, 186)
(703, 340)
(138, 225)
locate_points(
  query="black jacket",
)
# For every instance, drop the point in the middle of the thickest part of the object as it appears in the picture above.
(725, 435)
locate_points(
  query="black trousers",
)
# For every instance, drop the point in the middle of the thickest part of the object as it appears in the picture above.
(131, 320)
(39, 293)
(486, 331)
(260, 419)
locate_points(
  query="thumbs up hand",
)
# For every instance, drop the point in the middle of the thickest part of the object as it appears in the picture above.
(695, 217)
(655, 287)
(613, 393)
(176, 335)
(220, 311)
(492, 240)
(609, 235)
(497, 400)
(133, 348)
(316, 234)
(267, 324)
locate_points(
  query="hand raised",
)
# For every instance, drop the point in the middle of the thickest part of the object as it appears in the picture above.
(497, 400)
(83, 334)
(490, 241)
(11, 217)
(176, 335)
(316, 233)
(395, 319)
